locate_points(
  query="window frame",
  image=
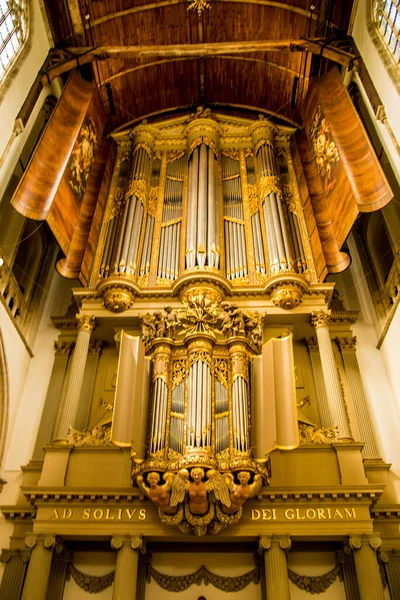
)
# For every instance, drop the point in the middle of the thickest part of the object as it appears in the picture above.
(392, 65)
(19, 58)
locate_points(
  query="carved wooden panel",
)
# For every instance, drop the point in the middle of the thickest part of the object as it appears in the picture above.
(343, 174)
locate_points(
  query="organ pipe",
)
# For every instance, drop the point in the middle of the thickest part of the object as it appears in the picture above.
(202, 229)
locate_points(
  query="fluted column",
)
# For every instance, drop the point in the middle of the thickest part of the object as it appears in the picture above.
(14, 573)
(86, 324)
(319, 384)
(125, 581)
(37, 576)
(50, 409)
(276, 571)
(333, 388)
(367, 568)
(347, 347)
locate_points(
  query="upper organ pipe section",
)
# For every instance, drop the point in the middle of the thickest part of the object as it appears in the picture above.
(212, 194)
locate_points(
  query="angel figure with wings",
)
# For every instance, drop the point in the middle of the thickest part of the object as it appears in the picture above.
(159, 494)
(198, 489)
(241, 492)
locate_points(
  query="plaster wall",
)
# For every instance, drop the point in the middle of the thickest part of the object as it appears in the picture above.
(230, 565)
(20, 86)
(314, 564)
(381, 81)
(93, 563)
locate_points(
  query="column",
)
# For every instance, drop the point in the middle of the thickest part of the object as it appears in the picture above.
(14, 573)
(50, 409)
(393, 573)
(367, 568)
(37, 577)
(86, 324)
(125, 581)
(319, 384)
(82, 416)
(347, 348)
(58, 576)
(275, 548)
(333, 388)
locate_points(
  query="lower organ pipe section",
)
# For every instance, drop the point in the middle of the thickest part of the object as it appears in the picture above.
(240, 412)
(221, 417)
(202, 231)
(177, 418)
(159, 416)
(199, 411)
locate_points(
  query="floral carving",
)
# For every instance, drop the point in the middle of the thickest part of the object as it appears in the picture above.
(82, 157)
(325, 150)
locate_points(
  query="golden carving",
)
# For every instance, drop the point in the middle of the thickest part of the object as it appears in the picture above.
(86, 323)
(321, 318)
(347, 344)
(199, 6)
(231, 153)
(287, 297)
(138, 188)
(253, 199)
(118, 299)
(152, 202)
(312, 434)
(174, 155)
(99, 435)
(268, 184)
(178, 372)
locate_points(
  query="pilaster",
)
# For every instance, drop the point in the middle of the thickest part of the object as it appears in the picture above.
(126, 571)
(347, 346)
(86, 324)
(333, 388)
(312, 346)
(14, 573)
(276, 572)
(37, 576)
(364, 548)
(54, 392)
(82, 415)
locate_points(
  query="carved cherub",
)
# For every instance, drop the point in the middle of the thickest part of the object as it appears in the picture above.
(198, 489)
(159, 494)
(171, 320)
(148, 328)
(233, 319)
(241, 492)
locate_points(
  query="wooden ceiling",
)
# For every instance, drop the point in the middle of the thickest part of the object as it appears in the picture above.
(141, 87)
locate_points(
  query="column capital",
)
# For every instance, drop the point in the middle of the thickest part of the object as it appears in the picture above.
(320, 318)
(266, 542)
(63, 348)
(49, 541)
(7, 554)
(358, 541)
(86, 322)
(347, 344)
(312, 344)
(135, 542)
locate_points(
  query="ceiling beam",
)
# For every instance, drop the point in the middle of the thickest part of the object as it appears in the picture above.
(76, 57)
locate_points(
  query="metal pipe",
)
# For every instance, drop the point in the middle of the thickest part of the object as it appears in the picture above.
(161, 251)
(236, 248)
(191, 225)
(277, 230)
(202, 208)
(227, 256)
(189, 405)
(211, 241)
(286, 241)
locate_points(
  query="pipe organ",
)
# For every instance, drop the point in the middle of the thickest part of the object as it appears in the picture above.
(202, 195)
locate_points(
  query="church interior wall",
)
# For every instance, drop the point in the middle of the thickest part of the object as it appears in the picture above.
(91, 563)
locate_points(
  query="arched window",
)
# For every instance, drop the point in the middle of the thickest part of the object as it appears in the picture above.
(14, 21)
(383, 21)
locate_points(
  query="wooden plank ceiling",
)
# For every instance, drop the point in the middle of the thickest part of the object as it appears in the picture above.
(141, 88)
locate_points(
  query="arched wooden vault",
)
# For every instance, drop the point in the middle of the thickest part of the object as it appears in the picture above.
(152, 57)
